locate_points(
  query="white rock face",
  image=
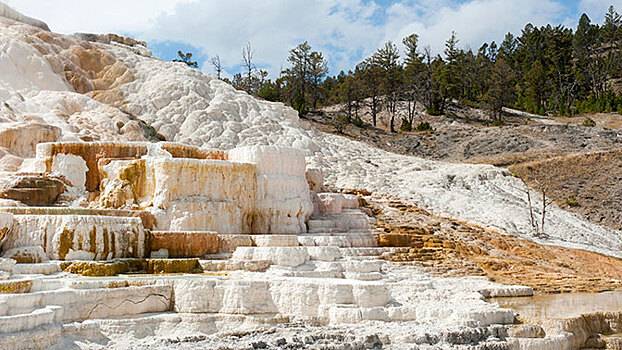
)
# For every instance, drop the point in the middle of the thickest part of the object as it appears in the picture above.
(72, 168)
(7, 265)
(257, 190)
(8, 12)
(201, 195)
(284, 256)
(82, 304)
(315, 178)
(30, 255)
(282, 200)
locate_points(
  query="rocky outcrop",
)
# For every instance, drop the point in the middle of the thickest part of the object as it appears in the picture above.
(21, 139)
(98, 154)
(585, 331)
(109, 38)
(7, 12)
(26, 255)
(256, 189)
(281, 194)
(33, 190)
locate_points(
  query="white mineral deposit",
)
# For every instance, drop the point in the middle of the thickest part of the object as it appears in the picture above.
(168, 210)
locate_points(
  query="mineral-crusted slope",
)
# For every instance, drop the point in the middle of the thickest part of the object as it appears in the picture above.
(186, 105)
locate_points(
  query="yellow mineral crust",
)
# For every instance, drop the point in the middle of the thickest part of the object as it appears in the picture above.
(124, 266)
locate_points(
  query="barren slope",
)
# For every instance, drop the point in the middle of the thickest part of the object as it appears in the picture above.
(589, 184)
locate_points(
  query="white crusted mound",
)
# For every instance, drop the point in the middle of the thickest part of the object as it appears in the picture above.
(8, 12)
(185, 105)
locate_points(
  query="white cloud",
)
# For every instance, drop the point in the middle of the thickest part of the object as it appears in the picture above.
(340, 29)
(345, 30)
(120, 16)
(475, 22)
(596, 9)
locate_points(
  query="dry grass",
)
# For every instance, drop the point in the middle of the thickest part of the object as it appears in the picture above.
(603, 120)
(589, 184)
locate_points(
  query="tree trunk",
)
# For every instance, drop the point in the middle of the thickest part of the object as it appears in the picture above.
(374, 109)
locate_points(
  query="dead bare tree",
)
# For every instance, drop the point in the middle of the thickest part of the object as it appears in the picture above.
(537, 226)
(532, 221)
(217, 65)
(249, 66)
(545, 204)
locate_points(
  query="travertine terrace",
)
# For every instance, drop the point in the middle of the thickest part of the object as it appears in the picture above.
(256, 245)
(144, 204)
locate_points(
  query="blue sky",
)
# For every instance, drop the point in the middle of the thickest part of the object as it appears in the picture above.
(346, 31)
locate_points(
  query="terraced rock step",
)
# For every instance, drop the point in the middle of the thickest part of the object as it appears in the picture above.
(31, 189)
(204, 244)
(145, 216)
(88, 237)
(448, 247)
(127, 266)
(185, 244)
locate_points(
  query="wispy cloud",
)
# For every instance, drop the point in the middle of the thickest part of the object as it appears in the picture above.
(345, 30)
(596, 9)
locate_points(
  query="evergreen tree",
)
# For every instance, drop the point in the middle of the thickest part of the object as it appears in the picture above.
(318, 67)
(306, 72)
(387, 59)
(414, 72)
(501, 89)
(451, 74)
(370, 75)
(186, 58)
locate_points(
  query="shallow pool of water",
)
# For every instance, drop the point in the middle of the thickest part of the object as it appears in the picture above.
(562, 305)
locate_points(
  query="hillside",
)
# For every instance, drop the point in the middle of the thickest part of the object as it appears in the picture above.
(578, 163)
(112, 88)
(588, 183)
(147, 205)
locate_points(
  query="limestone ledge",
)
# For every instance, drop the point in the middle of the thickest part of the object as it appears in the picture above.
(580, 332)
(124, 266)
(92, 152)
(146, 217)
(185, 244)
(90, 237)
(259, 189)
(332, 300)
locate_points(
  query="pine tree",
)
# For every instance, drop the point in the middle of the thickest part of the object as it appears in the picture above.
(414, 76)
(370, 75)
(318, 67)
(451, 74)
(387, 59)
(501, 90)
(186, 58)
(535, 81)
